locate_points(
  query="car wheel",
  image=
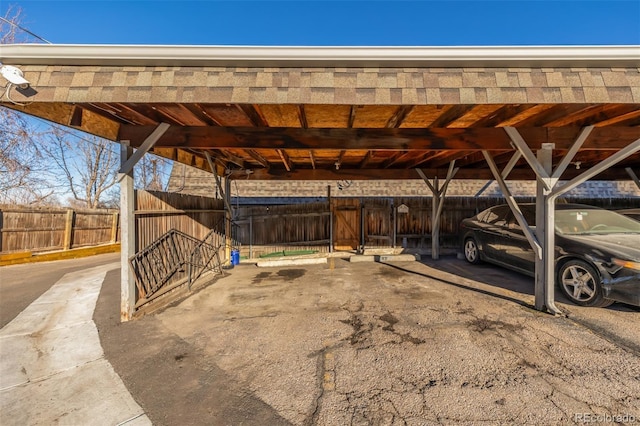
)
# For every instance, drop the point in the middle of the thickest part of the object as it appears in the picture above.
(471, 251)
(581, 284)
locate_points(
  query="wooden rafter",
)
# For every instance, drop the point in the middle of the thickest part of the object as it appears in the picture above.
(312, 157)
(398, 117)
(352, 116)
(302, 116)
(259, 158)
(450, 115)
(366, 159)
(285, 159)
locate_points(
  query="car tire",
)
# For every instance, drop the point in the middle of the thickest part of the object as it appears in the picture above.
(580, 282)
(471, 250)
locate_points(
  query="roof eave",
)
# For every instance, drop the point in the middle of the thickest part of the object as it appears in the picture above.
(295, 56)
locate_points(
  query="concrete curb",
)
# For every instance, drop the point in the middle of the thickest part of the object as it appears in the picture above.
(385, 258)
(29, 257)
(291, 262)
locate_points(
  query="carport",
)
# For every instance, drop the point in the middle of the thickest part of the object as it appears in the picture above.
(349, 113)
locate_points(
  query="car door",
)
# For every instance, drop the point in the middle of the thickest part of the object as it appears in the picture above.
(518, 252)
(493, 229)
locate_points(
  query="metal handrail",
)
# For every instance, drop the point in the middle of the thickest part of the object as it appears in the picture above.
(155, 265)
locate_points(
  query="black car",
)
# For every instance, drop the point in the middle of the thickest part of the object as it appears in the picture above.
(597, 251)
(632, 213)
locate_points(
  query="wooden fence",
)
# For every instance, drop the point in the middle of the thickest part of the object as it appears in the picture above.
(371, 222)
(158, 212)
(258, 230)
(47, 229)
(348, 223)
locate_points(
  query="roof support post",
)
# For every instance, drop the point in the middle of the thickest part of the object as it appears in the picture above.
(545, 232)
(436, 207)
(127, 237)
(228, 228)
(148, 143)
(217, 178)
(228, 212)
(546, 194)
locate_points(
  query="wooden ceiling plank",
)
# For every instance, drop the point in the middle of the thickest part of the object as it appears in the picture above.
(373, 116)
(422, 116)
(326, 116)
(227, 115)
(277, 115)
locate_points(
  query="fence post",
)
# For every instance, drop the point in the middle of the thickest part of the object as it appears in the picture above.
(68, 230)
(114, 228)
(251, 235)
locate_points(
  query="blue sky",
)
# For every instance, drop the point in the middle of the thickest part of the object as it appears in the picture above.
(333, 23)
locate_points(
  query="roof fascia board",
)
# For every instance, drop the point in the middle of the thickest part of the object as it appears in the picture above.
(294, 56)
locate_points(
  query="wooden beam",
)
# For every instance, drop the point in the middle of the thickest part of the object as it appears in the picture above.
(520, 173)
(401, 139)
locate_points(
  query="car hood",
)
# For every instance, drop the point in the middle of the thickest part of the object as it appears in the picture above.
(626, 246)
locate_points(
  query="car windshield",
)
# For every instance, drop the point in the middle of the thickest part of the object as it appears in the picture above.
(594, 221)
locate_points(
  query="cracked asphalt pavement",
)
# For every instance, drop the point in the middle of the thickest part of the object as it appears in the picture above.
(374, 344)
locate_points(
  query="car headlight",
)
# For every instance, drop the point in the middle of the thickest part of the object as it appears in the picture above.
(626, 264)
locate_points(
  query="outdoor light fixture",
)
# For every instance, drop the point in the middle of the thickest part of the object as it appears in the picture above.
(14, 76)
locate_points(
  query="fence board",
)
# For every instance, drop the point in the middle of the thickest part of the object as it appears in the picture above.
(43, 229)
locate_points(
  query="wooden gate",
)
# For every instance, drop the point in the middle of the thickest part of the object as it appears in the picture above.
(346, 224)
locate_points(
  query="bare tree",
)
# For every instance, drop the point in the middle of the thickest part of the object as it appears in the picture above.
(88, 165)
(23, 172)
(150, 173)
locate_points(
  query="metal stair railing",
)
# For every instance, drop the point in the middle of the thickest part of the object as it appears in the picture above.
(203, 254)
(157, 268)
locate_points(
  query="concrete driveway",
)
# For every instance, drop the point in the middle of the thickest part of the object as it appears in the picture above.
(369, 343)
